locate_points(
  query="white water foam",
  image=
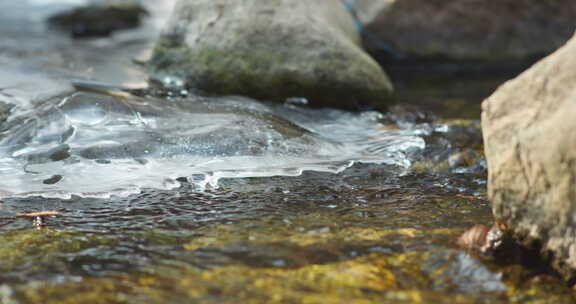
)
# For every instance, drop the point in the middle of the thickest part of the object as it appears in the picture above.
(95, 145)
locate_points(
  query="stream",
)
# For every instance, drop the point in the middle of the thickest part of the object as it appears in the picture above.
(182, 198)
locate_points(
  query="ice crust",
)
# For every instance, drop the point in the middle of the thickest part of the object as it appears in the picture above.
(97, 145)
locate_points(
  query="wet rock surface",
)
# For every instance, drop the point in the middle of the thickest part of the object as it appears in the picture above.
(270, 50)
(528, 126)
(467, 30)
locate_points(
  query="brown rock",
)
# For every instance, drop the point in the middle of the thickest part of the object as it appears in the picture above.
(529, 127)
(469, 29)
(473, 238)
(481, 239)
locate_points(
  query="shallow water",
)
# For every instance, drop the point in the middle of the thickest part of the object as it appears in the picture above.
(368, 233)
(374, 232)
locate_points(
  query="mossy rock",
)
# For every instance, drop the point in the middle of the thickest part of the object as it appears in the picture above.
(270, 50)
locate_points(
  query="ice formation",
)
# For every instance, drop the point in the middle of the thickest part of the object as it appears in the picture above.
(97, 145)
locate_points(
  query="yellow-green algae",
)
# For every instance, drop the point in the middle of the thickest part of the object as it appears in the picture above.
(378, 252)
(372, 278)
(362, 280)
(294, 233)
(32, 246)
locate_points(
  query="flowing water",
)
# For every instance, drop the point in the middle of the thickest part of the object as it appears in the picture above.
(227, 199)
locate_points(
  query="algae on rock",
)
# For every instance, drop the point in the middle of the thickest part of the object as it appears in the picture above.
(270, 50)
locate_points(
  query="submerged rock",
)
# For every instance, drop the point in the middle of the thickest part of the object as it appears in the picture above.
(4, 112)
(528, 126)
(469, 29)
(99, 20)
(270, 50)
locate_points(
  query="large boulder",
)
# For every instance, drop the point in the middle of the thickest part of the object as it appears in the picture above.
(270, 50)
(529, 127)
(467, 29)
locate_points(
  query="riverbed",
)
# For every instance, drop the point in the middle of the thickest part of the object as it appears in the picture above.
(367, 230)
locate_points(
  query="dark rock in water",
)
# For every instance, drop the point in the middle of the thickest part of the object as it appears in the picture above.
(52, 180)
(467, 29)
(4, 112)
(460, 272)
(271, 50)
(530, 143)
(99, 20)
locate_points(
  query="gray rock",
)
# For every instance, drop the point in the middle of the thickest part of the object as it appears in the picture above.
(468, 29)
(270, 50)
(529, 127)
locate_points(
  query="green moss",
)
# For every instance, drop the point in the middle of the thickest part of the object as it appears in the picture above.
(326, 79)
(36, 247)
(325, 271)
